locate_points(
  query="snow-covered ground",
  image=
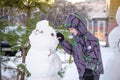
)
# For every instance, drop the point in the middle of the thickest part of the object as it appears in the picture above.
(71, 71)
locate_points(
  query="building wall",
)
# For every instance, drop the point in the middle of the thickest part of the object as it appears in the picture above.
(112, 9)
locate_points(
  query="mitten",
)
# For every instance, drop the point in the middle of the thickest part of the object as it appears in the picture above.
(60, 36)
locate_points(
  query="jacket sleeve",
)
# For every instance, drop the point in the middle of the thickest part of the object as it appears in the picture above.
(66, 46)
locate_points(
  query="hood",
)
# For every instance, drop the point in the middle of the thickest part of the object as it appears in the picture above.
(77, 21)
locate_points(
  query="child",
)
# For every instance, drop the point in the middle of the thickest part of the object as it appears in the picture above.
(84, 48)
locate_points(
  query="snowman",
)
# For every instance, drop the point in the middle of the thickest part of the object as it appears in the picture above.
(112, 66)
(42, 61)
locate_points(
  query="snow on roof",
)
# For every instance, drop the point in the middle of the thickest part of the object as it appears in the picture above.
(98, 15)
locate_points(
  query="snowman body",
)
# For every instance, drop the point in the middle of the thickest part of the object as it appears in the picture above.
(42, 61)
(112, 71)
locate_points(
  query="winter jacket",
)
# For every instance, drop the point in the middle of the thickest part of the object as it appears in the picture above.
(84, 47)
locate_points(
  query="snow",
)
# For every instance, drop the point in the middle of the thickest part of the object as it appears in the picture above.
(118, 16)
(112, 65)
(10, 62)
(71, 71)
(45, 53)
(110, 57)
(99, 15)
(45, 60)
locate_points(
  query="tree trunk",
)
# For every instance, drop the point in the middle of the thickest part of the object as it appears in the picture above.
(24, 54)
(25, 48)
(23, 60)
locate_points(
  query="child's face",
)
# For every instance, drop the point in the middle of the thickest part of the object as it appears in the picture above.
(73, 31)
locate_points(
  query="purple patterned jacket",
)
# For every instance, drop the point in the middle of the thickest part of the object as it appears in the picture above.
(84, 47)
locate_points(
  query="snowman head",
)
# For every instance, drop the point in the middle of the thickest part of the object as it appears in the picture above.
(118, 16)
(43, 36)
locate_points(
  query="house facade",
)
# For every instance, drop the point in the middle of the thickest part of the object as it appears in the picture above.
(102, 22)
(112, 6)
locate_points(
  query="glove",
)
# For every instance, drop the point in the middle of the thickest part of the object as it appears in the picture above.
(88, 74)
(60, 36)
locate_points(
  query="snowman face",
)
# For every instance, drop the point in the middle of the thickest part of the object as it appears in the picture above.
(43, 38)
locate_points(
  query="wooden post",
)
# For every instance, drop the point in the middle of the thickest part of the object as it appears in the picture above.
(106, 34)
(93, 30)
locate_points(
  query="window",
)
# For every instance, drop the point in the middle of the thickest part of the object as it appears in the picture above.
(101, 23)
(95, 23)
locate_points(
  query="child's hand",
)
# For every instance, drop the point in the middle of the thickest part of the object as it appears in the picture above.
(60, 36)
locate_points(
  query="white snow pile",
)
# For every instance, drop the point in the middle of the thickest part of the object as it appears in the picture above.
(112, 71)
(42, 60)
(9, 66)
